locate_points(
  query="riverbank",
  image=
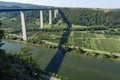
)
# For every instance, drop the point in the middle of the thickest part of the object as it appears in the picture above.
(28, 43)
(76, 50)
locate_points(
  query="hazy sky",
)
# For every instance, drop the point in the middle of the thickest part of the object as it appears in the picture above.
(73, 3)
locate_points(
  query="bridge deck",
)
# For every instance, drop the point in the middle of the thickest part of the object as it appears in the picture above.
(11, 10)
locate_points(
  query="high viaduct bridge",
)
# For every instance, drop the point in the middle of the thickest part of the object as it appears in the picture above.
(60, 53)
(41, 17)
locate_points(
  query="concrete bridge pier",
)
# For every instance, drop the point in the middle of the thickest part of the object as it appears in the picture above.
(50, 16)
(41, 20)
(23, 25)
(55, 13)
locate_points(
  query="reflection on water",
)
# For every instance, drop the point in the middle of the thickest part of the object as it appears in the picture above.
(76, 68)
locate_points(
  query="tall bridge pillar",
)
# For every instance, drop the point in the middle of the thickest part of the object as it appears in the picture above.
(23, 26)
(41, 19)
(55, 13)
(50, 16)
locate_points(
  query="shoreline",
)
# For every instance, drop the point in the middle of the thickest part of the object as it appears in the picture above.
(87, 52)
(25, 42)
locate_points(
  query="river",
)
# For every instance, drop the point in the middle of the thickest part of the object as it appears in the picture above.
(67, 65)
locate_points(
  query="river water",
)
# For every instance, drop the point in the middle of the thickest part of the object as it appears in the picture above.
(67, 65)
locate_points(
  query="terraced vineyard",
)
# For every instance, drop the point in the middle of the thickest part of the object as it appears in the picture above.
(93, 41)
(99, 42)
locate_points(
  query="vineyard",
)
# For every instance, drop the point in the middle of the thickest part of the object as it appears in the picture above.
(99, 42)
(93, 41)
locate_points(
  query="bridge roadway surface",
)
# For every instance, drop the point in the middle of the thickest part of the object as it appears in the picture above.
(26, 9)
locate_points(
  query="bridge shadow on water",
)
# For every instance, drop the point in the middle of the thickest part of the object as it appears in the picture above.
(55, 63)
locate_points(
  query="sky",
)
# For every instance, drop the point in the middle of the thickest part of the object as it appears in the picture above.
(73, 3)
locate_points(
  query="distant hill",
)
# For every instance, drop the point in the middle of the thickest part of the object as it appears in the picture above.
(118, 9)
(2, 3)
(19, 5)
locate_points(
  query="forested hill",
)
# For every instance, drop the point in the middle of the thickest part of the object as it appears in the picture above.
(93, 17)
(2, 3)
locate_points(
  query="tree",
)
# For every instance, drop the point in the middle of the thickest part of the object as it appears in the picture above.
(71, 38)
(1, 34)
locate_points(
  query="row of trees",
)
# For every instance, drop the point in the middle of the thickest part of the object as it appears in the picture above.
(1, 32)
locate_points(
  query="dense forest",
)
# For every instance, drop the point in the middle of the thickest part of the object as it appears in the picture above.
(93, 17)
